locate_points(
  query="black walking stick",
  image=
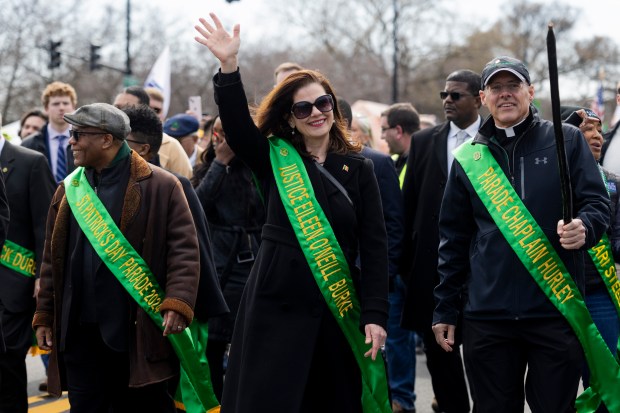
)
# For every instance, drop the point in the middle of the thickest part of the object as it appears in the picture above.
(567, 193)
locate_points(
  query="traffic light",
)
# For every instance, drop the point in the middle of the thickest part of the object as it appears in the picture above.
(94, 57)
(54, 54)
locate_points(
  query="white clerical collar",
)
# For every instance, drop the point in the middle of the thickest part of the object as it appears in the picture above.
(510, 131)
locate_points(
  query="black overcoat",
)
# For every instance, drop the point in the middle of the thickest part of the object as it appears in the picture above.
(281, 324)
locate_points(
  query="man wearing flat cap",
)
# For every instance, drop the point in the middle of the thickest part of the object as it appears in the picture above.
(121, 252)
(503, 243)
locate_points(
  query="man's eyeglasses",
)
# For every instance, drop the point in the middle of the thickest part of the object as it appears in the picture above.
(303, 109)
(453, 95)
(511, 87)
(135, 141)
(75, 134)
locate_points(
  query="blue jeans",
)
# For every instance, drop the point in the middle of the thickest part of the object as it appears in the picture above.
(605, 318)
(400, 351)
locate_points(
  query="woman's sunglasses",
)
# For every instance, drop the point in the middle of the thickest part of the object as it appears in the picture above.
(303, 109)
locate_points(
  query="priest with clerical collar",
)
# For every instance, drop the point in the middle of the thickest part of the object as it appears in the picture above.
(511, 270)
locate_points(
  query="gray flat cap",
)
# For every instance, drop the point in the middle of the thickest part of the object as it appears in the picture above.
(101, 116)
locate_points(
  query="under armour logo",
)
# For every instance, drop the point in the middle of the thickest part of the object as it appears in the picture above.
(538, 160)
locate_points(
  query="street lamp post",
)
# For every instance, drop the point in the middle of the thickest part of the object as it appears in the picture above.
(395, 57)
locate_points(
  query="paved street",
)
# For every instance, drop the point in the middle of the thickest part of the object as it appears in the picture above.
(39, 403)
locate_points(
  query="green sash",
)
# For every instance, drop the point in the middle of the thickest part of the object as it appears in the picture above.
(135, 276)
(328, 265)
(604, 261)
(18, 258)
(538, 256)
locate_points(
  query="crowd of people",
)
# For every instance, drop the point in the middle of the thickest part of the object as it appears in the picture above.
(269, 259)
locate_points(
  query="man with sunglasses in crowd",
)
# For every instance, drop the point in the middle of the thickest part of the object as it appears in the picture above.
(425, 179)
(509, 266)
(104, 273)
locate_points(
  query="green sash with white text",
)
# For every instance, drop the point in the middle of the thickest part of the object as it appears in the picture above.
(135, 276)
(538, 256)
(328, 265)
(18, 258)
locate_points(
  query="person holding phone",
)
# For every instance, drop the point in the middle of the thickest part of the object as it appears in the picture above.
(236, 215)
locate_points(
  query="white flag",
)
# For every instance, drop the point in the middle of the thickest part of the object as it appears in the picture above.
(615, 118)
(159, 77)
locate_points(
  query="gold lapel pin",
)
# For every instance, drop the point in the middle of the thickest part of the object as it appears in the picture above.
(345, 168)
(5, 169)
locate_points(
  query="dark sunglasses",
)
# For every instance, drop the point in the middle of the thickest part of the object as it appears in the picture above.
(301, 110)
(75, 134)
(453, 95)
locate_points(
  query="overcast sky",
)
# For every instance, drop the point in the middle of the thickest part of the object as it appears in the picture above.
(600, 17)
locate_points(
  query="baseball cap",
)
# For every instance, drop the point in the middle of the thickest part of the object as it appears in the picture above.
(569, 115)
(181, 125)
(507, 64)
(101, 116)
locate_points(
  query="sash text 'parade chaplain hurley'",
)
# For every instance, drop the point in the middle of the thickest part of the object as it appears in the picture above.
(512, 303)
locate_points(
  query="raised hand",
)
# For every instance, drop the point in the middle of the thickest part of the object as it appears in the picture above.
(223, 46)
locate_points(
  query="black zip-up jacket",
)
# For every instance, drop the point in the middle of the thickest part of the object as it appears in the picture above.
(480, 274)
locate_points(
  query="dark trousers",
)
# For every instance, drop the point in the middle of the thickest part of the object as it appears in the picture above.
(98, 378)
(215, 356)
(13, 382)
(15, 339)
(447, 376)
(498, 352)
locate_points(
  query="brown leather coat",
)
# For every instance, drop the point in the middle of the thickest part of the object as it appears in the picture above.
(157, 221)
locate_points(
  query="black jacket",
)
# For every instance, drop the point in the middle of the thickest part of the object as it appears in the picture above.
(39, 142)
(423, 188)
(236, 216)
(392, 203)
(479, 272)
(29, 190)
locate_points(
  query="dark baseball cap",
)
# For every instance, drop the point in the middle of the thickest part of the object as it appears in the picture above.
(569, 115)
(505, 64)
(101, 116)
(181, 125)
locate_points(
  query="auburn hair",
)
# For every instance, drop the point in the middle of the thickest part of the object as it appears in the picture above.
(274, 112)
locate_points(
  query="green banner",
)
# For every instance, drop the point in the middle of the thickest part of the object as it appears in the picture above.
(135, 276)
(18, 258)
(538, 256)
(328, 265)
